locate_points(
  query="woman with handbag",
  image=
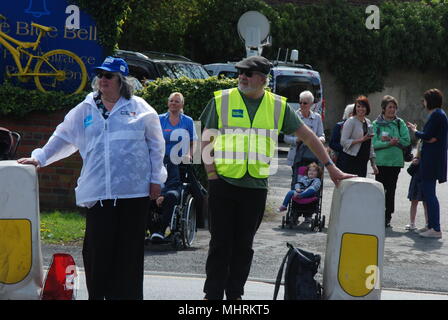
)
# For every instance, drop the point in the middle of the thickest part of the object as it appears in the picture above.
(390, 139)
(433, 160)
(415, 193)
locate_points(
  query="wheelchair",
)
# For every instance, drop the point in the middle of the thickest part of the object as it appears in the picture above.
(9, 141)
(183, 225)
(311, 207)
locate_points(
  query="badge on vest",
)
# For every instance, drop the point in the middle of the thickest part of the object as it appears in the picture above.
(128, 113)
(237, 113)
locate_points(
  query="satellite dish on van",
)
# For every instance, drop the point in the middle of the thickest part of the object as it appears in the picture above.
(253, 29)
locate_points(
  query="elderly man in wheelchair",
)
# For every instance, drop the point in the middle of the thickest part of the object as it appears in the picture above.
(172, 216)
(165, 204)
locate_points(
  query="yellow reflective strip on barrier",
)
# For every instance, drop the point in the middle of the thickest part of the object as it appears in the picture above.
(15, 250)
(359, 254)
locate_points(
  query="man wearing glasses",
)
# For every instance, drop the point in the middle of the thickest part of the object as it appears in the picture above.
(245, 122)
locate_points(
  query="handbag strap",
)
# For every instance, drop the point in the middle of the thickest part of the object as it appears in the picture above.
(280, 272)
(398, 123)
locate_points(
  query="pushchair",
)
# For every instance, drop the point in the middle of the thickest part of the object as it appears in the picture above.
(306, 207)
(9, 141)
(183, 225)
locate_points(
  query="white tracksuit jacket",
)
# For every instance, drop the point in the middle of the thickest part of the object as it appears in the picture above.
(121, 155)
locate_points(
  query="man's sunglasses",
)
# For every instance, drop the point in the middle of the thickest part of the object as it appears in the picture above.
(107, 75)
(247, 73)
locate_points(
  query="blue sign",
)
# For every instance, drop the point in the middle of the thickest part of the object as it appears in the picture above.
(72, 30)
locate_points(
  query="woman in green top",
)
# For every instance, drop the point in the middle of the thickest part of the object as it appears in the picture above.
(391, 136)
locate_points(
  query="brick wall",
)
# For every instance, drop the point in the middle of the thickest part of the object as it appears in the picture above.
(58, 181)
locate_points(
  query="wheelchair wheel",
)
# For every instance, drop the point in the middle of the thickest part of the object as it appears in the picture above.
(177, 241)
(189, 222)
(283, 222)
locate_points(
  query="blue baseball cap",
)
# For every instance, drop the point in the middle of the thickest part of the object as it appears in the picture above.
(113, 64)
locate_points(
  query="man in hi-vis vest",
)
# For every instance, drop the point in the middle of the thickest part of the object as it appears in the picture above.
(244, 124)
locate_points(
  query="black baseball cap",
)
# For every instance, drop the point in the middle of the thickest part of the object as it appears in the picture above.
(255, 63)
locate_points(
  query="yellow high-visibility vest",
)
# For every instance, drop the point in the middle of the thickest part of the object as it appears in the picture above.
(243, 146)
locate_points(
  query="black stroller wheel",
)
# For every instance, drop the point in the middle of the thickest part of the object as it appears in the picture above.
(313, 224)
(322, 223)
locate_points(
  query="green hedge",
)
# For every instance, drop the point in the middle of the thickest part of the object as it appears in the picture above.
(18, 102)
(196, 93)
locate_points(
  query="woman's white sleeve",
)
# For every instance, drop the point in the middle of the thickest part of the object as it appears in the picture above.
(290, 139)
(55, 149)
(346, 139)
(320, 129)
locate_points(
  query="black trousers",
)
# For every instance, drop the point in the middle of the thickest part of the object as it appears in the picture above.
(113, 250)
(353, 164)
(235, 214)
(388, 176)
(171, 199)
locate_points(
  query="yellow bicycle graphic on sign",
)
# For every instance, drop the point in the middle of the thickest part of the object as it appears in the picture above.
(56, 70)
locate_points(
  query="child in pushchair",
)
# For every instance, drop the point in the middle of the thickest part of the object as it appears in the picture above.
(307, 185)
(305, 197)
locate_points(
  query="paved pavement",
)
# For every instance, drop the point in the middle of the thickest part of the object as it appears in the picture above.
(169, 286)
(412, 265)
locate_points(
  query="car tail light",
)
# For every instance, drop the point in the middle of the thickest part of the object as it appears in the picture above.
(60, 281)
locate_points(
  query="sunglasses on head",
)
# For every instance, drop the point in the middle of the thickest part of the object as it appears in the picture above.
(107, 75)
(247, 73)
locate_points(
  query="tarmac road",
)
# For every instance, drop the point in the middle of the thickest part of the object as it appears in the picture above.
(410, 262)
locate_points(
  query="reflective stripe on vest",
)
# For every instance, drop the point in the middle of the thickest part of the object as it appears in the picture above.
(241, 145)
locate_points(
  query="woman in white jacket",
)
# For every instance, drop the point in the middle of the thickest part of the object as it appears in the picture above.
(356, 141)
(120, 141)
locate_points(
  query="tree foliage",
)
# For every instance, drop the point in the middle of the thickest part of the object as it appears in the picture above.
(110, 16)
(330, 32)
(158, 25)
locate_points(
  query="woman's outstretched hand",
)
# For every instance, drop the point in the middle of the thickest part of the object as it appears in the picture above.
(32, 161)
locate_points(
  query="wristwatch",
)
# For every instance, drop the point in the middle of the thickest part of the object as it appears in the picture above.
(329, 163)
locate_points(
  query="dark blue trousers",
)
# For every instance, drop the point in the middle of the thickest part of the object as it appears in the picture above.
(430, 197)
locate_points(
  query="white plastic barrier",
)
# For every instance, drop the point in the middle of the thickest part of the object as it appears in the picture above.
(355, 242)
(21, 270)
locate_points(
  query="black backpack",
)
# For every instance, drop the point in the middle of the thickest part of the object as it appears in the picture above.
(301, 266)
